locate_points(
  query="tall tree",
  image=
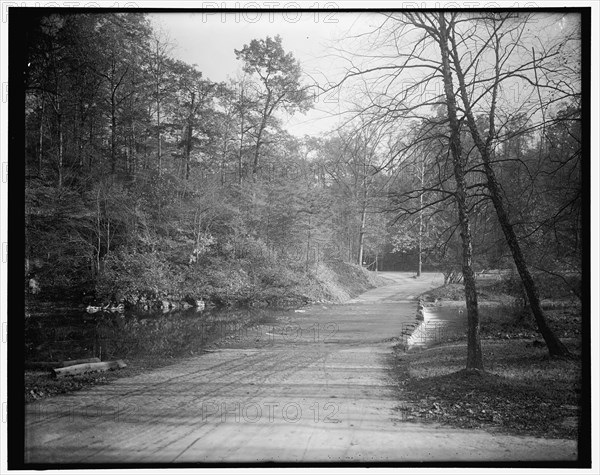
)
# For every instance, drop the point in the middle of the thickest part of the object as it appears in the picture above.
(279, 84)
(474, 357)
(485, 146)
(160, 70)
(191, 108)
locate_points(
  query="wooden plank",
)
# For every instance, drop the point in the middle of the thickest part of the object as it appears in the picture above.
(58, 364)
(88, 368)
(64, 364)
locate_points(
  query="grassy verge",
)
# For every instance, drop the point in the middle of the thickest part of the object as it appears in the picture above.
(522, 390)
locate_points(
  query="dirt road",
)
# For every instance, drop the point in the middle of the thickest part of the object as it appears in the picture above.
(316, 390)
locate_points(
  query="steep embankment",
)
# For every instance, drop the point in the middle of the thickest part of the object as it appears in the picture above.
(333, 282)
(159, 285)
(340, 281)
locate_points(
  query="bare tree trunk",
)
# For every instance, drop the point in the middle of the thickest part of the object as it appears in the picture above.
(80, 132)
(60, 148)
(41, 142)
(188, 138)
(91, 143)
(225, 150)
(255, 164)
(59, 123)
(99, 241)
(240, 160)
(474, 355)
(240, 154)
(113, 141)
(158, 136)
(107, 236)
(132, 156)
(158, 108)
(188, 149)
(420, 268)
(349, 243)
(308, 245)
(361, 232)
(555, 346)
(224, 160)
(263, 124)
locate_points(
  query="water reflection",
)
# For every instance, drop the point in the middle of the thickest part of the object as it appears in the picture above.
(78, 333)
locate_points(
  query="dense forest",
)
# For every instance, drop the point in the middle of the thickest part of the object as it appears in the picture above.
(461, 151)
(146, 181)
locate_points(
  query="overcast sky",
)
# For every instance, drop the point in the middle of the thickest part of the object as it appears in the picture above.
(209, 40)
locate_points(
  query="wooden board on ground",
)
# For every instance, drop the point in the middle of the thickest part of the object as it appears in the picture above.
(58, 364)
(88, 368)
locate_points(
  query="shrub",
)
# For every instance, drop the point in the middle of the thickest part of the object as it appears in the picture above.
(129, 274)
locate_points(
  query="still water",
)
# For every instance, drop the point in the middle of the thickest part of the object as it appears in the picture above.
(74, 333)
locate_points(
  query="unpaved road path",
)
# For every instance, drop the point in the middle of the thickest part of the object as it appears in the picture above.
(316, 391)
